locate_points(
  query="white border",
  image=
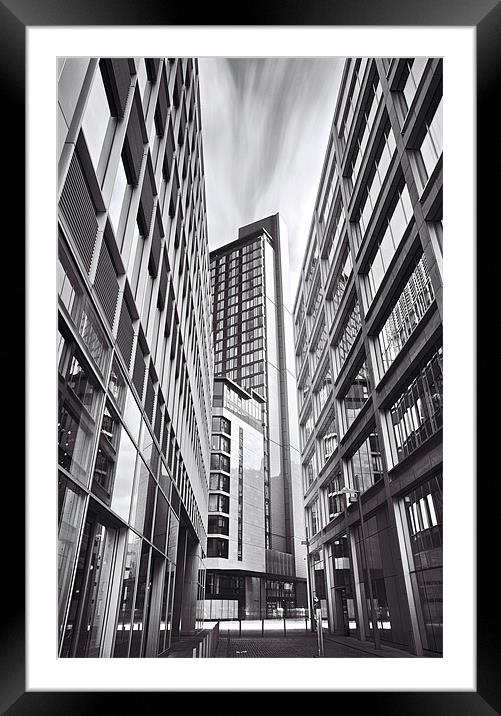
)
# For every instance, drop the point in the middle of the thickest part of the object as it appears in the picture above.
(456, 670)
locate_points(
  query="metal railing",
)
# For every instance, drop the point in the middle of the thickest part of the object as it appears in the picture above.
(207, 647)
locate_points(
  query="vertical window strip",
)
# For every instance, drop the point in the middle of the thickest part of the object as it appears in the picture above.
(417, 414)
(412, 304)
(240, 492)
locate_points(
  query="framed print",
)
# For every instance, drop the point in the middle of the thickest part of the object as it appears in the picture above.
(36, 676)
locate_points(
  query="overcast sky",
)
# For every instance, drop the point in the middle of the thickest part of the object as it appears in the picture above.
(265, 125)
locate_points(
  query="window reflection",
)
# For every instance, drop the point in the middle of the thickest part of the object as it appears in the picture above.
(79, 401)
(122, 488)
(124, 622)
(71, 502)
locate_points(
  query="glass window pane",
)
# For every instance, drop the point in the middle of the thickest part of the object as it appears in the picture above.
(124, 478)
(96, 118)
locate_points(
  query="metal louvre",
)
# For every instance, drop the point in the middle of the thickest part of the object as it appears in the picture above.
(125, 334)
(106, 284)
(152, 65)
(158, 416)
(162, 107)
(133, 149)
(162, 287)
(154, 259)
(116, 75)
(138, 371)
(170, 148)
(78, 209)
(146, 201)
(149, 398)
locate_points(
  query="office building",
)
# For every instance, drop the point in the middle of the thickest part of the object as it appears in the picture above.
(134, 355)
(368, 338)
(255, 563)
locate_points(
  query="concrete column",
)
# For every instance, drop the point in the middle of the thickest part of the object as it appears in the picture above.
(190, 587)
(329, 586)
(179, 582)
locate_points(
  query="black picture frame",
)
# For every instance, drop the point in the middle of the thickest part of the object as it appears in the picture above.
(15, 17)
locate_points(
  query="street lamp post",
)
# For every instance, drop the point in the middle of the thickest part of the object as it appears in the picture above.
(306, 542)
(375, 626)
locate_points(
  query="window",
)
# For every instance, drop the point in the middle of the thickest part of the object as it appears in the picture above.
(375, 180)
(356, 396)
(369, 113)
(430, 149)
(219, 481)
(219, 442)
(417, 413)
(309, 473)
(306, 429)
(96, 118)
(342, 277)
(218, 525)
(327, 438)
(353, 92)
(217, 547)
(389, 239)
(416, 296)
(424, 508)
(314, 518)
(82, 314)
(117, 200)
(413, 72)
(219, 503)
(347, 336)
(323, 391)
(366, 465)
(104, 467)
(335, 503)
(79, 402)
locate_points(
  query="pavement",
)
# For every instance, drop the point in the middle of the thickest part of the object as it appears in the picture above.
(301, 646)
(274, 639)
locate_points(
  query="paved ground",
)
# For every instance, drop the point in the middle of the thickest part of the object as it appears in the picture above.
(274, 639)
(301, 646)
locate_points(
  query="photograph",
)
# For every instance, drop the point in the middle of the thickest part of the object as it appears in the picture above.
(249, 357)
(250, 367)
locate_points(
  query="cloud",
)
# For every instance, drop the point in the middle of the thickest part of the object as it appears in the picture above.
(265, 126)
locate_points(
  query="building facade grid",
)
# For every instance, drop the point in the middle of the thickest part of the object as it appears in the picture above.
(372, 283)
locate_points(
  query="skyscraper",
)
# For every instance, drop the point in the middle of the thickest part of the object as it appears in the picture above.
(134, 355)
(255, 509)
(368, 337)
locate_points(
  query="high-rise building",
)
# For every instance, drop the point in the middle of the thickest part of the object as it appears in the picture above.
(134, 355)
(255, 560)
(368, 338)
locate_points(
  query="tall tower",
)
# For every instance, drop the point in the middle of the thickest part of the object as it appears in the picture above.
(134, 355)
(252, 332)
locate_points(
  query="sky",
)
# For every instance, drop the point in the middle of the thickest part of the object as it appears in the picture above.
(265, 126)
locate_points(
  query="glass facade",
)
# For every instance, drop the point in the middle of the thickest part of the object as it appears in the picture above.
(356, 396)
(424, 508)
(366, 465)
(131, 446)
(347, 335)
(417, 414)
(371, 395)
(413, 302)
(394, 228)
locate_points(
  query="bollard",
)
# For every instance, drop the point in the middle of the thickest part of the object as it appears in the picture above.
(262, 627)
(305, 622)
(200, 650)
(285, 629)
(194, 654)
(239, 627)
